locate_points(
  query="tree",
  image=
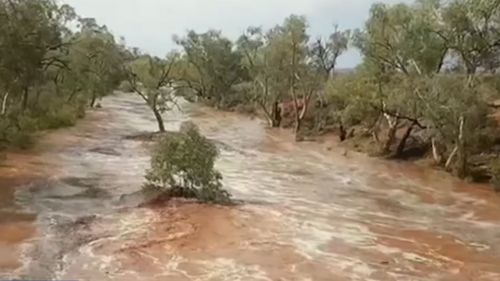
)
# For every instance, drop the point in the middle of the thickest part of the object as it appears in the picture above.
(32, 40)
(324, 54)
(258, 60)
(183, 166)
(470, 29)
(288, 52)
(152, 79)
(323, 61)
(400, 47)
(213, 68)
(350, 99)
(52, 63)
(459, 115)
(98, 59)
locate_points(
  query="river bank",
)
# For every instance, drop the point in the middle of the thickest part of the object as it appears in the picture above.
(310, 213)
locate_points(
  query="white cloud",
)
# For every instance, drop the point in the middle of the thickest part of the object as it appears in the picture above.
(150, 24)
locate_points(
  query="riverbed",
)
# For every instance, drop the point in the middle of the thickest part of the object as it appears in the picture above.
(72, 208)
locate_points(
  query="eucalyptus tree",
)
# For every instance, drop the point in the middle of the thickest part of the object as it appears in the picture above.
(31, 41)
(47, 56)
(263, 67)
(214, 67)
(471, 29)
(400, 47)
(325, 53)
(152, 79)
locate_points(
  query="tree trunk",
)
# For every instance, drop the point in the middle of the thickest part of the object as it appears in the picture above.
(305, 105)
(391, 134)
(93, 100)
(276, 115)
(450, 158)
(298, 119)
(25, 98)
(435, 154)
(72, 95)
(159, 119)
(292, 88)
(269, 114)
(4, 104)
(343, 133)
(297, 130)
(297, 127)
(404, 139)
(462, 153)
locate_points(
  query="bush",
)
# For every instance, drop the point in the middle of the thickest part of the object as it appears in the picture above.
(22, 139)
(11, 135)
(64, 116)
(18, 132)
(182, 165)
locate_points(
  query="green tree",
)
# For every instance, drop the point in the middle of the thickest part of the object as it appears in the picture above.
(213, 68)
(98, 60)
(183, 166)
(324, 54)
(470, 29)
(49, 70)
(152, 79)
(400, 46)
(260, 62)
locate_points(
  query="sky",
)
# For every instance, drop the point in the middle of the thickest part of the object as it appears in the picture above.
(151, 24)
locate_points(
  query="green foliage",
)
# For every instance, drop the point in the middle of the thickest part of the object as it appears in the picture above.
(49, 71)
(212, 67)
(58, 117)
(401, 84)
(151, 78)
(351, 100)
(17, 130)
(183, 165)
(428, 77)
(324, 54)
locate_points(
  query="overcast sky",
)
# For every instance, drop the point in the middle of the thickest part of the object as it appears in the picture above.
(150, 24)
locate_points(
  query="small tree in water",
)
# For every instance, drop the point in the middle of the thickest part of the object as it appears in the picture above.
(183, 166)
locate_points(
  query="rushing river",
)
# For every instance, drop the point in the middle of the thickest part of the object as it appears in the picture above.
(71, 209)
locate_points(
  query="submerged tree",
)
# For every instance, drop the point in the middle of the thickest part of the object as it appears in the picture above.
(183, 166)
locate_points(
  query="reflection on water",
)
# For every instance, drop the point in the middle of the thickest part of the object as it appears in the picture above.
(70, 210)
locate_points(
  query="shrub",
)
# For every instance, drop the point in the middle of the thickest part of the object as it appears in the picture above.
(20, 132)
(182, 165)
(12, 135)
(22, 139)
(64, 116)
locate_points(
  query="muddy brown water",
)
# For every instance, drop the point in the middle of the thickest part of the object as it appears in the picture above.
(69, 210)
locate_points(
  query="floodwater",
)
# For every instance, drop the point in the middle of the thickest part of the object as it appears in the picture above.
(72, 209)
